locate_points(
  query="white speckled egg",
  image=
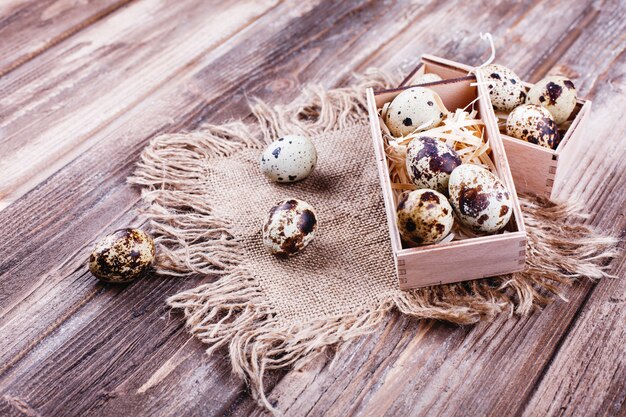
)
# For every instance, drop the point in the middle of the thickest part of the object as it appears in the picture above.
(424, 217)
(289, 159)
(505, 87)
(479, 198)
(429, 163)
(426, 78)
(290, 226)
(122, 256)
(417, 107)
(555, 93)
(533, 124)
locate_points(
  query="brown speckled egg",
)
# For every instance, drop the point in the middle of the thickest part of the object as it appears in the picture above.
(424, 217)
(289, 159)
(429, 163)
(555, 93)
(533, 124)
(290, 226)
(505, 87)
(417, 107)
(122, 256)
(479, 198)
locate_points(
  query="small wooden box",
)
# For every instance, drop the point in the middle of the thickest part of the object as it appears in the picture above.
(463, 259)
(535, 169)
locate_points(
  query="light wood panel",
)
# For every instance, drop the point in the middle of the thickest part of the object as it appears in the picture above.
(51, 101)
(28, 28)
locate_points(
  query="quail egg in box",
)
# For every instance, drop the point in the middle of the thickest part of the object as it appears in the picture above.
(417, 107)
(289, 159)
(505, 88)
(479, 198)
(555, 93)
(290, 226)
(533, 124)
(426, 78)
(429, 163)
(122, 256)
(424, 217)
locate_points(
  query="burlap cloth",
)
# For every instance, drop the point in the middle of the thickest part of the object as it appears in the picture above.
(207, 199)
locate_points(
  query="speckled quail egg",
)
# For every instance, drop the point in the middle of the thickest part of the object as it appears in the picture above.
(426, 78)
(290, 226)
(417, 107)
(479, 198)
(505, 87)
(555, 93)
(533, 124)
(429, 163)
(122, 256)
(424, 217)
(288, 159)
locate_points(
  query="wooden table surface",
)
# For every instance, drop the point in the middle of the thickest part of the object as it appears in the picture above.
(85, 84)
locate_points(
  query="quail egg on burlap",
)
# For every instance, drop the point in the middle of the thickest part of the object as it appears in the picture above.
(426, 78)
(122, 256)
(417, 107)
(429, 163)
(290, 226)
(424, 217)
(555, 93)
(533, 124)
(480, 200)
(505, 87)
(289, 159)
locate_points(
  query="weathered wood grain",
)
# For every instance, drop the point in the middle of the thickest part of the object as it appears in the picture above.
(116, 60)
(588, 375)
(77, 347)
(28, 28)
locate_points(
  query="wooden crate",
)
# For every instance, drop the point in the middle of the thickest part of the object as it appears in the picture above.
(457, 260)
(535, 169)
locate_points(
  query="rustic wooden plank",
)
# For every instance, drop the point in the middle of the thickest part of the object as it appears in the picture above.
(28, 28)
(52, 101)
(588, 374)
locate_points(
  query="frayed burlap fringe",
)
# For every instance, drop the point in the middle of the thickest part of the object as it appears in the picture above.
(234, 312)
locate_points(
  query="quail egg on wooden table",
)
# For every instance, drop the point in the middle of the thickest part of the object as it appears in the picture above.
(505, 88)
(424, 217)
(417, 107)
(533, 124)
(290, 226)
(122, 256)
(555, 93)
(479, 198)
(289, 159)
(429, 163)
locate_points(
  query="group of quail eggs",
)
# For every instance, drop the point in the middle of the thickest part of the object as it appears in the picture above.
(127, 254)
(534, 115)
(444, 185)
(291, 224)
